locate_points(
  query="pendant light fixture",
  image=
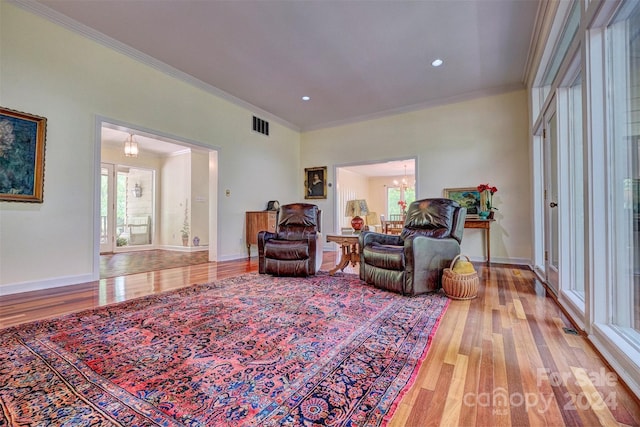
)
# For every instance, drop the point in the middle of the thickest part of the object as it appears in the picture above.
(131, 147)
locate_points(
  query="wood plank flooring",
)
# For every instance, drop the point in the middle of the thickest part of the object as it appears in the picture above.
(501, 359)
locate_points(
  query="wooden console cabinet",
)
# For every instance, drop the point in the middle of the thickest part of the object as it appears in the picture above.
(256, 221)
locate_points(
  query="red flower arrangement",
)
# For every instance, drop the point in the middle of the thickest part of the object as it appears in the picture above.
(489, 192)
(403, 205)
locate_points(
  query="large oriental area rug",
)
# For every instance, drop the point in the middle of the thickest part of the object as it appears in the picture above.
(250, 350)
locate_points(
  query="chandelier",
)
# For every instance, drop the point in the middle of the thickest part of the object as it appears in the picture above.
(404, 183)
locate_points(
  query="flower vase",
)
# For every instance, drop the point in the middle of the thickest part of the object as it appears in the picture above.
(490, 215)
(483, 214)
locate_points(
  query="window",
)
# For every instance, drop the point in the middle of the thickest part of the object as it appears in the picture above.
(623, 51)
(395, 194)
(576, 190)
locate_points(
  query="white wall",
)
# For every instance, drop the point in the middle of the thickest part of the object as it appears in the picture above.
(53, 72)
(456, 145)
(199, 197)
(175, 201)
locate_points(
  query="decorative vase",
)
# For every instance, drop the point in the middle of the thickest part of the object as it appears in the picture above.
(484, 214)
(491, 214)
(196, 241)
(357, 223)
(185, 241)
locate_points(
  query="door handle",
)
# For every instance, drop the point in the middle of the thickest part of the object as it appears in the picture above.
(553, 204)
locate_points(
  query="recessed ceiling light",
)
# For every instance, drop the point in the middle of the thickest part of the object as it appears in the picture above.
(437, 62)
(305, 98)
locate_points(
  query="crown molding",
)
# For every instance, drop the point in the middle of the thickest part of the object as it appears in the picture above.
(422, 106)
(92, 34)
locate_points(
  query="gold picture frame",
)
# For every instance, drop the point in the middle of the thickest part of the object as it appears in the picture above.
(22, 141)
(315, 183)
(467, 197)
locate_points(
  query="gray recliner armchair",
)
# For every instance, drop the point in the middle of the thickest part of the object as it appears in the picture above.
(412, 263)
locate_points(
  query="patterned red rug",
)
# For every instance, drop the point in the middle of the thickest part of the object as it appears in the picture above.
(250, 350)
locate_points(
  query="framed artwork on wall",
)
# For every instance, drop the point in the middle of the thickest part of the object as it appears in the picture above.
(22, 139)
(468, 197)
(315, 183)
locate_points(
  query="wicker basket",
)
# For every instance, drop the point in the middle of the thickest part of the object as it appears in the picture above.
(460, 286)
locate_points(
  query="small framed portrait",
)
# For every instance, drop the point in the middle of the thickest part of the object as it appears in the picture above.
(315, 183)
(468, 197)
(22, 138)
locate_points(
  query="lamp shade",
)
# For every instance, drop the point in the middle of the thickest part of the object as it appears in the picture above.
(373, 218)
(355, 208)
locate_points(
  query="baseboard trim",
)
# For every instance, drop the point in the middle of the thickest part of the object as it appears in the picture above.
(58, 282)
(494, 260)
(184, 248)
(234, 257)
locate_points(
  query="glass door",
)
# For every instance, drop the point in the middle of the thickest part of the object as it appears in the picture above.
(551, 255)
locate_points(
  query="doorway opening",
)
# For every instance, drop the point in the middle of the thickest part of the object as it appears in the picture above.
(163, 198)
(382, 184)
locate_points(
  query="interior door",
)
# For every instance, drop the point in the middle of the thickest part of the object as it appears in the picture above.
(107, 207)
(552, 258)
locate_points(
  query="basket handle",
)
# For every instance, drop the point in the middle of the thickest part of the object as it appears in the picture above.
(453, 261)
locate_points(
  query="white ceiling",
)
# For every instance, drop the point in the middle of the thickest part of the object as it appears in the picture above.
(147, 144)
(355, 59)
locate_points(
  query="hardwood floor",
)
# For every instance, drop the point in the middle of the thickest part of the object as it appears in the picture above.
(500, 359)
(123, 263)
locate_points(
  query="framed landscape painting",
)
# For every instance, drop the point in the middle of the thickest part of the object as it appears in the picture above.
(468, 197)
(22, 139)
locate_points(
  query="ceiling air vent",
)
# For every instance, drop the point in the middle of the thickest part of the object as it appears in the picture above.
(260, 126)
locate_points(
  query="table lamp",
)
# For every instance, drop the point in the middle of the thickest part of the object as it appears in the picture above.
(355, 208)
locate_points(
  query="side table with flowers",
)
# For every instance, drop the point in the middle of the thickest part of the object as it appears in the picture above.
(486, 203)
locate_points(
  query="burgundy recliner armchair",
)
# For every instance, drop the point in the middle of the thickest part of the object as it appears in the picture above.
(412, 263)
(291, 251)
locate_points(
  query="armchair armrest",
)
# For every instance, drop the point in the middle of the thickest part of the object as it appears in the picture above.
(367, 237)
(421, 246)
(426, 258)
